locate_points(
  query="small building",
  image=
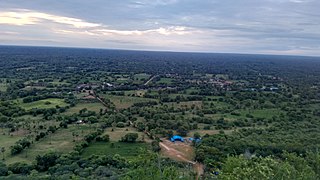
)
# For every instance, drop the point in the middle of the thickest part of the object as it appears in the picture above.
(176, 138)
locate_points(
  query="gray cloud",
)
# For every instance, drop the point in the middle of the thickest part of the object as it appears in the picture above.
(246, 26)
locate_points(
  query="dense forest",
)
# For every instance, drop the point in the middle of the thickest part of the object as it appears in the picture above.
(110, 114)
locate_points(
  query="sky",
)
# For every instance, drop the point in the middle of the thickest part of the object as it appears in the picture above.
(288, 27)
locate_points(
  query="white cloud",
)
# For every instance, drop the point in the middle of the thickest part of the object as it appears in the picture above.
(26, 17)
(247, 26)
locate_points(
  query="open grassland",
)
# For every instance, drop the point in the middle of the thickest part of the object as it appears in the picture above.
(209, 132)
(258, 113)
(59, 83)
(122, 80)
(7, 141)
(128, 150)
(140, 78)
(30, 118)
(29, 88)
(44, 104)
(90, 107)
(3, 87)
(122, 102)
(118, 133)
(186, 104)
(138, 93)
(167, 81)
(62, 141)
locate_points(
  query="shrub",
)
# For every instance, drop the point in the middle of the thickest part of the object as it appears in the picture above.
(130, 137)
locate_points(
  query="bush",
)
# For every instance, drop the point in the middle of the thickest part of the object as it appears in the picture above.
(120, 125)
(104, 138)
(20, 168)
(16, 149)
(130, 137)
(44, 162)
(155, 146)
(24, 143)
(3, 169)
(39, 136)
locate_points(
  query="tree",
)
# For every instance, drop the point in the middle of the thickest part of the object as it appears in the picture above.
(130, 137)
(155, 146)
(266, 168)
(105, 138)
(197, 135)
(16, 149)
(3, 169)
(3, 149)
(44, 162)
(20, 168)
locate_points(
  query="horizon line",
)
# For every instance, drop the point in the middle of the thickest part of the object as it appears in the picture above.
(160, 51)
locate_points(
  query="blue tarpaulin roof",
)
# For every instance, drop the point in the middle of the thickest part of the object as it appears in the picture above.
(177, 138)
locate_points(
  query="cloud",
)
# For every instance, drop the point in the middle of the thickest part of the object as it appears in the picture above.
(27, 17)
(21, 17)
(246, 26)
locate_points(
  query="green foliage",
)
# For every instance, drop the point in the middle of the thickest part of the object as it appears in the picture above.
(104, 138)
(266, 168)
(3, 169)
(20, 168)
(44, 162)
(197, 135)
(155, 146)
(16, 149)
(130, 137)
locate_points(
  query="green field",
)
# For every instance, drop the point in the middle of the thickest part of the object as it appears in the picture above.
(44, 104)
(259, 113)
(29, 88)
(138, 93)
(222, 76)
(57, 82)
(140, 78)
(185, 104)
(128, 150)
(3, 87)
(122, 102)
(118, 133)
(60, 141)
(6, 141)
(122, 80)
(90, 106)
(30, 118)
(167, 81)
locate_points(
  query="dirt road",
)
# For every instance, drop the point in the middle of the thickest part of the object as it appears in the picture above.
(181, 152)
(150, 80)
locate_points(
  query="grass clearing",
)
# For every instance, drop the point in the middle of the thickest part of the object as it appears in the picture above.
(30, 118)
(6, 141)
(44, 104)
(29, 88)
(140, 78)
(118, 133)
(128, 150)
(60, 142)
(167, 81)
(138, 93)
(210, 132)
(123, 102)
(185, 104)
(258, 113)
(3, 87)
(90, 106)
